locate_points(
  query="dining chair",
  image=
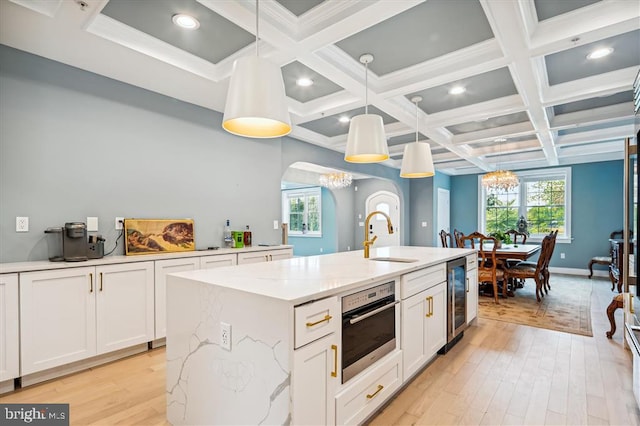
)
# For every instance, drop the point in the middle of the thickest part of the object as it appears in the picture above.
(517, 237)
(457, 235)
(488, 270)
(446, 239)
(547, 285)
(524, 270)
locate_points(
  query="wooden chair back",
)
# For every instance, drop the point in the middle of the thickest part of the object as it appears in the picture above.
(446, 239)
(457, 235)
(487, 263)
(517, 237)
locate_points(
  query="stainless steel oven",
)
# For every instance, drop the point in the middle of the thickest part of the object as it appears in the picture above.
(368, 327)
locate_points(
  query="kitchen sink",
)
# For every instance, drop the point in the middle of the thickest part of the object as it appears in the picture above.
(394, 259)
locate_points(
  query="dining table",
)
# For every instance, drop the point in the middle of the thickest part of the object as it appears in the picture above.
(517, 251)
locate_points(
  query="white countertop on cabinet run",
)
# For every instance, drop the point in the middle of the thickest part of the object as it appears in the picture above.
(43, 265)
(302, 279)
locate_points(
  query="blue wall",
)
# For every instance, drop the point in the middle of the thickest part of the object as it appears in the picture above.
(309, 246)
(596, 210)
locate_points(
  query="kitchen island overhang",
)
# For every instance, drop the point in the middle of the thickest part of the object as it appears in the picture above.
(251, 383)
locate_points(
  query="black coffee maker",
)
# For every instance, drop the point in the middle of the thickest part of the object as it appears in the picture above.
(68, 244)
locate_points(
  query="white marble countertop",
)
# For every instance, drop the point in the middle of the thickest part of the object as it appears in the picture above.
(302, 279)
(43, 265)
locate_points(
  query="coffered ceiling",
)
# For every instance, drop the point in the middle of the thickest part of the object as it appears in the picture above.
(532, 98)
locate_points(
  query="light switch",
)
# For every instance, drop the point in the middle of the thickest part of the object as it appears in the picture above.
(92, 224)
(424, 224)
(275, 224)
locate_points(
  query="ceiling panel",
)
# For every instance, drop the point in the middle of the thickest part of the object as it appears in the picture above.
(299, 7)
(546, 9)
(331, 126)
(591, 103)
(409, 137)
(322, 86)
(491, 123)
(421, 33)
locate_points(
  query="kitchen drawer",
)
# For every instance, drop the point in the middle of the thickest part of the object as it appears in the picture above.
(472, 261)
(316, 320)
(370, 391)
(415, 282)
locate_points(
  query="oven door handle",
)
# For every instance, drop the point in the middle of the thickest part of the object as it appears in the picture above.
(375, 311)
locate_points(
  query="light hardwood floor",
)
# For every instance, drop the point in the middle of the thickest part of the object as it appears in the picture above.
(499, 373)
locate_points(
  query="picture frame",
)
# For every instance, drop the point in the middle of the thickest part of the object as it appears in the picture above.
(155, 236)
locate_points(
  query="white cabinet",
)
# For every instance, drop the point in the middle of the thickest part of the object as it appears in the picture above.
(9, 338)
(364, 396)
(423, 327)
(65, 313)
(264, 256)
(124, 305)
(315, 362)
(162, 268)
(217, 261)
(472, 288)
(314, 382)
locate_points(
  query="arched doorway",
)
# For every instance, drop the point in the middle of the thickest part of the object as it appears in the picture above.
(389, 203)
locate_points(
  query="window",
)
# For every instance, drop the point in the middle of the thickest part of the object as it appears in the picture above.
(302, 210)
(543, 198)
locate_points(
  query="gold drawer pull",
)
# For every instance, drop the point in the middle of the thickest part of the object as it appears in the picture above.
(90, 282)
(430, 300)
(467, 284)
(371, 395)
(100, 281)
(326, 318)
(334, 373)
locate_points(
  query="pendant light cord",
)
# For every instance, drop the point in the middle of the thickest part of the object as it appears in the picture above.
(257, 30)
(416, 121)
(366, 87)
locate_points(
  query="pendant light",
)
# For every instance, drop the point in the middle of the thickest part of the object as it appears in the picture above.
(366, 142)
(500, 180)
(256, 105)
(417, 161)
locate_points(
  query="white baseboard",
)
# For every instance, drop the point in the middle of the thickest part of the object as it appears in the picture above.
(579, 271)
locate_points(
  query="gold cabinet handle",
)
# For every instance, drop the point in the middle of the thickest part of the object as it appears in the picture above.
(326, 318)
(428, 307)
(467, 284)
(334, 373)
(100, 281)
(270, 257)
(371, 395)
(90, 282)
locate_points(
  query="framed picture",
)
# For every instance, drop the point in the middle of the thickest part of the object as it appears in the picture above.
(147, 236)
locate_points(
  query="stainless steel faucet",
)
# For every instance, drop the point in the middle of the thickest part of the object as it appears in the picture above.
(368, 243)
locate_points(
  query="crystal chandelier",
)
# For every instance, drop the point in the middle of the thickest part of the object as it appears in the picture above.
(500, 180)
(504, 180)
(336, 180)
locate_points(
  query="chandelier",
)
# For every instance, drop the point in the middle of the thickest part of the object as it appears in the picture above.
(504, 180)
(500, 180)
(336, 180)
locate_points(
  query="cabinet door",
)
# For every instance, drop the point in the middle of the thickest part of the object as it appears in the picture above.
(436, 323)
(472, 295)
(252, 257)
(314, 381)
(124, 305)
(210, 262)
(57, 317)
(162, 268)
(414, 333)
(280, 254)
(9, 340)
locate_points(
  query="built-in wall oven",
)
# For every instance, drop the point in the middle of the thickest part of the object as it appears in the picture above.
(368, 327)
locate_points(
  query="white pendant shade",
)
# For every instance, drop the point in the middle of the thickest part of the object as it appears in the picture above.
(256, 104)
(417, 161)
(366, 142)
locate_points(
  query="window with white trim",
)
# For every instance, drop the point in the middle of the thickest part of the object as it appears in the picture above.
(543, 198)
(302, 210)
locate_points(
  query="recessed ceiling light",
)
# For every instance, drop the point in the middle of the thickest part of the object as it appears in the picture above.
(185, 21)
(304, 82)
(600, 53)
(500, 140)
(457, 90)
(344, 119)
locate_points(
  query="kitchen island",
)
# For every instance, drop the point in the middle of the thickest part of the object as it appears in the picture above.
(261, 343)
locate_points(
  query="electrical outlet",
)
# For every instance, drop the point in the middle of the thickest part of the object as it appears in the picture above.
(119, 222)
(275, 224)
(321, 249)
(225, 336)
(424, 224)
(22, 224)
(561, 255)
